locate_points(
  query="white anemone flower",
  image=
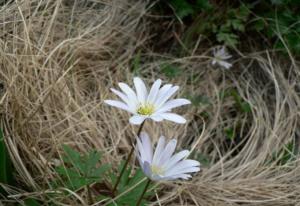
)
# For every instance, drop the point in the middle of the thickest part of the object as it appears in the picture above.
(155, 104)
(163, 165)
(220, 57)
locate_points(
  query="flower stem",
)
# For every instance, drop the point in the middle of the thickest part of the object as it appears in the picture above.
(144, 191)
(127, 160)
(89, 195)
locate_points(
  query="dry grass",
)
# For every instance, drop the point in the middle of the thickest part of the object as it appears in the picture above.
(58, 60)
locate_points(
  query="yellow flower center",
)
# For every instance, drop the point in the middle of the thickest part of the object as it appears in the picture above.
(157, 170)
(218, 58)
(146, 109)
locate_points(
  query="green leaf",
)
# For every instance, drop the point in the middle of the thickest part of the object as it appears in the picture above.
(31, 202)
(128, 182)
(199, 100)
(137, 63)
(241, 104)
(242, 12)
(171, 71)
(245, 106)
(238, 25)
(277, 2)
(204, 5)
(182, 8)
(228, 39)
(230, 134)
(6, 173)
(259, 25)
(91, 160)
(72, 157)
(79, 171)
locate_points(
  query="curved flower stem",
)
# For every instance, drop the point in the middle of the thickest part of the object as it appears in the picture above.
(143, 193)
(89, 195)
(127, 160)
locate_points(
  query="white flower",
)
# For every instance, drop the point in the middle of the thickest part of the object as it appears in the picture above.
(154, 104)
(220, 55)
(163, 165)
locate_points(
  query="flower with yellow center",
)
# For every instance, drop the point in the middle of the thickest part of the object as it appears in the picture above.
(163, 165)
(155, 104)
(220, 55)
(157, 170)
(146, 109)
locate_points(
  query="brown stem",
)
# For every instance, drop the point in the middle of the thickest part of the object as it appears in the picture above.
(127, 160)
(90, 198)
(144, 191)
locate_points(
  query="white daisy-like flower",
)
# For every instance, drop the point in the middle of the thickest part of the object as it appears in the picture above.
(220, 57)
(163, 165)
(155, 104)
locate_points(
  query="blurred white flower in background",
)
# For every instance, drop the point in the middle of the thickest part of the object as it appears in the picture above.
(220, 57)
(155, 104)
(163, 165)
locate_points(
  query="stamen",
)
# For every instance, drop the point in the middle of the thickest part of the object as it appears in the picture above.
(146, 109)
(157, 170)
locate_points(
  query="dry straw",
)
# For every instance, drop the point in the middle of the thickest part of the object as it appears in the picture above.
(58, 60)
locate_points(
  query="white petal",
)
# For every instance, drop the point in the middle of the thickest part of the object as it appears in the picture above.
(141, 150)
(215, 51)
(147, 146)
(129, 92)
(226, 56)
(156, 177)
(176, 158)
(184, 171)
(159, 149)
(141, 89)
(168, 151)
(118, 104)
(181, 166)
(222, 50)
(173, 117)
(225, 64)
(181, 176)
(154, 91)
(213, 62)
(162, 93)
(156, 118)
(172, 104)
(165, 96)
(137, 119)
(122, 96)
(147, 169)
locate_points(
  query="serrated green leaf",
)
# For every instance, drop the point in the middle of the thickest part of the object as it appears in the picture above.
(243, 12)
(228, 39)
(91, 160)
(72, 157)
(79, 171)
(100, 171)
(182, 8)
(238, 25)
(204, 5)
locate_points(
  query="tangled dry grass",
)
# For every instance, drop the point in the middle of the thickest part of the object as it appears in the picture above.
(58, 60)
